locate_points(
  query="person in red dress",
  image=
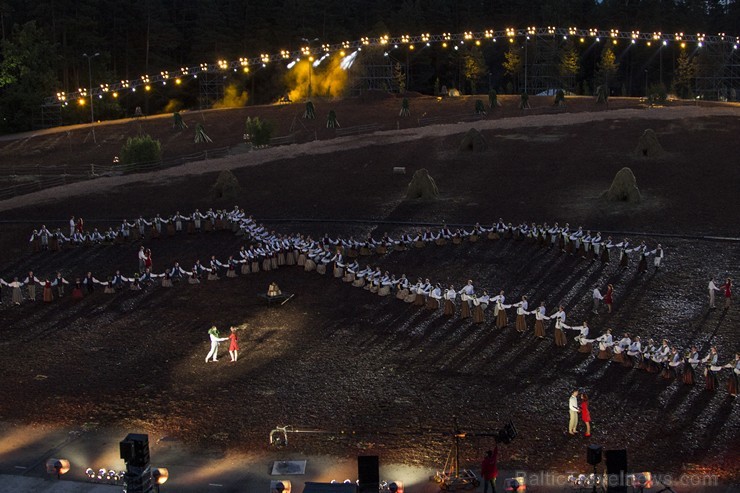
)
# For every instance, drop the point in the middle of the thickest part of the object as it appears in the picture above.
(80, 226)
(728, 292)
(609, 298)
(148, 260)
(585, 414)
(233, 345)
(489, 470)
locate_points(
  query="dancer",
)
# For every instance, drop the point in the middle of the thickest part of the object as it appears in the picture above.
(711, 369)
(689, 369)
(712, 288)
(734, 374)
(233, 345)
(489, 470)
(559, 317)
(521, 311)
(609, 298)
(215, 339)
(539, 325)
(573, 411)
(597, 297)
(728, 293)
(605, 345)
(585, 414)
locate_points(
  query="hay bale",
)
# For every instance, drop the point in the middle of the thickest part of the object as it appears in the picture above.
(473, 141)
(648, 145)
(422, 186)
(623, 188)
(226, 186)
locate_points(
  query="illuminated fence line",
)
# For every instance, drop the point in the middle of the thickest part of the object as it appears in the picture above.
(411, 41)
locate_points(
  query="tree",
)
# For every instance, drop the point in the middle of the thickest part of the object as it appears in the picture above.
(513, 63)
(26, 76)
(685, 73)
(570, 63)
(140, 150)
(607, 68)
(474, 67)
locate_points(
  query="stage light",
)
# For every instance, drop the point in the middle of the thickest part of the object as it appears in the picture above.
(90, 473)
(291, 64)
(640, 480)
(57, 466)
(160, 475)
(178, 81)
(517, 484)
(614, 41)
(411, 47)
(649, 43)
(81, 101)
(282, 486)
(700, 44)
(583, 40)
(396, 487)
(683, 45)
(101, 473)
(665, 43)
(456, 48)
(444, 45)
(147, 87)
(245, 70)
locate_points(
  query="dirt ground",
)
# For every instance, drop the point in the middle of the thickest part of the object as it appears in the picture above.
(385, 377)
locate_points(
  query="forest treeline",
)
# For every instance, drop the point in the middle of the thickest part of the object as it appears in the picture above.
(43, 42)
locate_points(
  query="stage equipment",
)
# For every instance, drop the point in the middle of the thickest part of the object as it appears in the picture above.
(135, 453)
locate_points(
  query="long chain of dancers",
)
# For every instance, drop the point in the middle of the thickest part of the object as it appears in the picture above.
(269, 251)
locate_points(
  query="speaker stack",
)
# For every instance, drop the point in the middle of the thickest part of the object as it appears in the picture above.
(368, 474)
(616, 467)
(135, 453)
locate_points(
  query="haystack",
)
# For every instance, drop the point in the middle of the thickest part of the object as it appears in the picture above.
(623, 188)
(473, 141)
(226, 186)
(422, 186)
(648, 145)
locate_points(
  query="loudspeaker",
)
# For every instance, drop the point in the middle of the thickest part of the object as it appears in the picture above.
(135, 450)
(368, 473)
(593, 454)
(616, 468)
(616, 461)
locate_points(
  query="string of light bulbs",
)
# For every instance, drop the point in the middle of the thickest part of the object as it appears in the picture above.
(245, 64)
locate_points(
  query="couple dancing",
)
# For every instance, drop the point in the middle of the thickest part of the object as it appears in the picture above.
(215, 339)
(575, 408)
(145, 260)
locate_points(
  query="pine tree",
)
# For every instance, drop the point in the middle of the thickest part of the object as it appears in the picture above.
(685, 73)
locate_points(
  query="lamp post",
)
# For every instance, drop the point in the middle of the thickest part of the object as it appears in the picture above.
(310, 64)
(525, 64)
(646, 84)
(89, 73)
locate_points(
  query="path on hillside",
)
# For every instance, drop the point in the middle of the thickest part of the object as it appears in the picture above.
(320, 147)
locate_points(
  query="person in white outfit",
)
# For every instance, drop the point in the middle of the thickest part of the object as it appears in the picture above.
(712, 288)
(215, 339)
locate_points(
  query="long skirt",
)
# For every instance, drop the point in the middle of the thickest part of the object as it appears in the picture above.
(623, 261)
(401, 294)
(212, 276)
(432, 304)
(358, 283)
(170, 230)
(652, 367)
(464, 310)
(478, 315)
(521, 323)
(560, 339)
(501, 320)
(48, 295)
(231, 273)
(619, 357)
(419, 244)
(32, 291)
(255, 266)
(54, 244)
(627, 361)
(419, 301)
(493, 236)
(111, 290)
(166, 283)
(711, 380)
(384, 291)
(732, 384)
(410, 298)
(605, 353)
(321, 269)
(449, 308)
(473, 238)
(539, 328)
(302, 259)
(349, 277)
(208, 226)
(273, 262)
(266, 265)
(281, 258)
(668, 373)
(191, 228)
(440, 242)
(642, 266)
(352, 253)
(364, 251)
(309, 265)
(456, 240)
(586, 348)
(153, 233)
(605, 255)
(381, 250)
(338, 271)
(399, 247)
(688, 375)
(290, 258)
(245, 268)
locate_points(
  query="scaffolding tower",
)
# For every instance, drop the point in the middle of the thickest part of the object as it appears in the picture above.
(210, 88)
(49, 115)
(543, 55)
(718, 73)
(373, 72)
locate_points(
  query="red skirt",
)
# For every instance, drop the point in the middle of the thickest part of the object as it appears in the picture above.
(234, 346)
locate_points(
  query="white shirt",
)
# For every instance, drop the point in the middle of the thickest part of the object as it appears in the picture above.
(573, 404)
(597, 294)
(713, 286)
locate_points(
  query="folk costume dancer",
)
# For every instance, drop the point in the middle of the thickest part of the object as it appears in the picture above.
(521, 312)
(450, 296)
(215, 339)
(559, 316)
(480, 304)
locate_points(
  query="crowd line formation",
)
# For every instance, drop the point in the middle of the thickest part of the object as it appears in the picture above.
(340, 256)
